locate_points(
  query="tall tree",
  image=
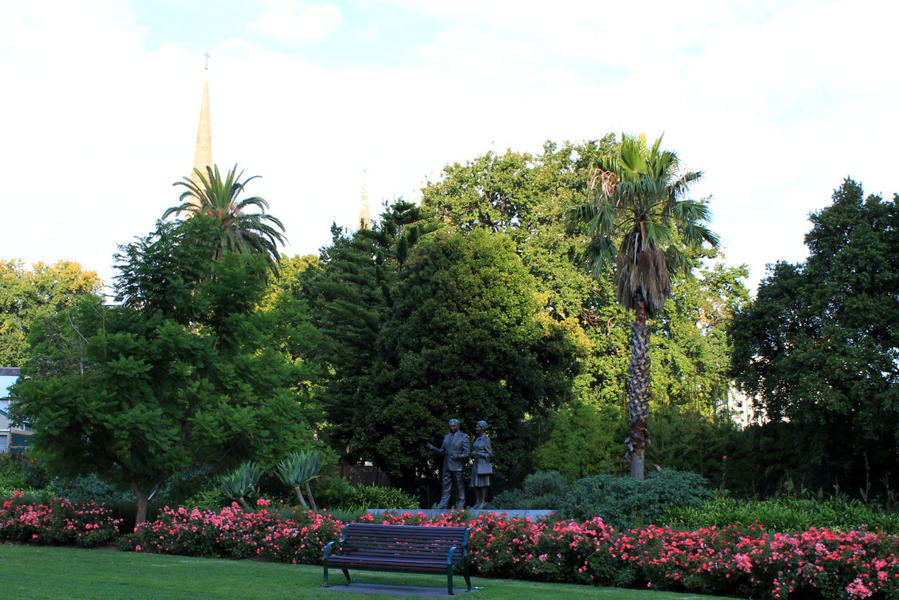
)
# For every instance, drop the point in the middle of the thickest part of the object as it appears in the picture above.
(639, 220)
(183, 373)
(818, 350)
(466, 338)
(27, 296)
(350, 295)
(239, 230)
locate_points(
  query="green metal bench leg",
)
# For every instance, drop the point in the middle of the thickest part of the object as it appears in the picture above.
(347, 575)
(325, 560)
(467, 578)
(449, 571)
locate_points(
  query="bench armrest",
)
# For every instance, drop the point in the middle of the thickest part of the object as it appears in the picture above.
(327, 550)
(449, 556)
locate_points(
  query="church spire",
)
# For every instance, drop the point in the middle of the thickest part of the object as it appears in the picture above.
(364, 221)
(203, 151)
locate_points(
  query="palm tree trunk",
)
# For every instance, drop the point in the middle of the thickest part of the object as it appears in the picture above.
(638, 392)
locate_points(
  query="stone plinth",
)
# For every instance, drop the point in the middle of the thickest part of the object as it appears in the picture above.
(473, 514)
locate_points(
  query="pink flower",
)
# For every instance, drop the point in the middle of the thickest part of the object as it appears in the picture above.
(857, 589)
(743, 562)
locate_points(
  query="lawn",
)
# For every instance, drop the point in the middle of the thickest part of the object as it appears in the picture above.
(49, 572)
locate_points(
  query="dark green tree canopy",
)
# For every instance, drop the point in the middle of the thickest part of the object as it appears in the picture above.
(466, 338)
(350, 296)
(819, 347)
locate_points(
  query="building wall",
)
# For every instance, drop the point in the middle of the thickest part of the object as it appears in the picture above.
(8, 376)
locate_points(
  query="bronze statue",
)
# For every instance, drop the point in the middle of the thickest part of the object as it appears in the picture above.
(482, 469)
(455, 451)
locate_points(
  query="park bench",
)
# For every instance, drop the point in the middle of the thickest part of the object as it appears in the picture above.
(406, 548)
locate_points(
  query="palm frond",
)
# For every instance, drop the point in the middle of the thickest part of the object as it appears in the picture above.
(636, 213)
(242, 229)
(601, 253)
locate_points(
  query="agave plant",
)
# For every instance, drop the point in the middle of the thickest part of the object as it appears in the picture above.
(242, 483)
(298, 469)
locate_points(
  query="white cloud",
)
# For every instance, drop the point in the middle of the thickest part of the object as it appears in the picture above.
(295, 21)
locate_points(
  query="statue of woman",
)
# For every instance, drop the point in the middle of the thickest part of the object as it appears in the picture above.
(482, 452)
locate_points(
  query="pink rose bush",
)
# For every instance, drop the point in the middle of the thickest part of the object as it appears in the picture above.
(751, 561)
(742, 561)
(59, 522)
(234, 533)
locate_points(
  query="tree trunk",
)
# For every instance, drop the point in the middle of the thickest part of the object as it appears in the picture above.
(638, 392)
(300, 496)
(142, 501)
(311, 499)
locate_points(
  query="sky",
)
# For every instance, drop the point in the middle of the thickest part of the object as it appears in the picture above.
(776, 102)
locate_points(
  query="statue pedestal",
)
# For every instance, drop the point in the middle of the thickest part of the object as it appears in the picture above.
(473, 514)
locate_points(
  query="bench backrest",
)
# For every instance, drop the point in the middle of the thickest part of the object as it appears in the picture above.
(416, 542)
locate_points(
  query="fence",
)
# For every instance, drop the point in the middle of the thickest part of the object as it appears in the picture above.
(363, 475)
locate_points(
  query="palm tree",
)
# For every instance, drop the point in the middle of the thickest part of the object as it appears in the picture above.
(241, 231)
(639, 221)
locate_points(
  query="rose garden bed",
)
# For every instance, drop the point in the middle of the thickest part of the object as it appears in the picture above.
(740, 561)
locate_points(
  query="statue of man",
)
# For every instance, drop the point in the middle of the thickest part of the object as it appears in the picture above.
(455, 450)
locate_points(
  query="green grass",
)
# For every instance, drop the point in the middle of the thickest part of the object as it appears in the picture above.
(72, 573)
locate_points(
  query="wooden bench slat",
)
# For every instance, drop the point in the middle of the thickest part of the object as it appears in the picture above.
(387, 556)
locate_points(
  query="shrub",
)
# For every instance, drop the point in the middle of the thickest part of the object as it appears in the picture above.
(57, 522)
(88, 488)
(513, 499)
(212, 499)
(177, 490)
(545, 489)
(362, 497)
(35, 474)
(11, 474)
(541, 490)
(332, 490)
(347, 516)
(781, 514)
(187, 483)
(624, 502)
